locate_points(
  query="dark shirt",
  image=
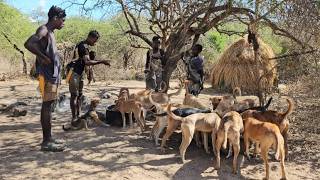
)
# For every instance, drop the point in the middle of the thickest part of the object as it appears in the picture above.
(195, 69)
(51, 72)
(83, 50)
(163, 61)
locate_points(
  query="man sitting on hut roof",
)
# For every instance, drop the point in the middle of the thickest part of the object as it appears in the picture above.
(195, 70)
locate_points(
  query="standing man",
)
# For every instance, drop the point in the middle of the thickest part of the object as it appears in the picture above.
(154, 65)
(195, 70)
(76, 80)
(43, 45)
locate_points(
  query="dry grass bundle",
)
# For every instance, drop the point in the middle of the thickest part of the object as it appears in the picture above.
(237, 67)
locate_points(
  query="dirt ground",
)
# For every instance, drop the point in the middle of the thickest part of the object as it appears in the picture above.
(116, 153)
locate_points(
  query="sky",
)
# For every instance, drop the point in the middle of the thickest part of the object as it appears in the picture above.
(28, 6)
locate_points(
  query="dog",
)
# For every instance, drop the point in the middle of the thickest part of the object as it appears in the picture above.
(173, 124)
(124, 93)
(159, 97)
(192, 100)
(83, 121)
(161, 121)
(245, 102)
(230, 129)
(268, 135)
(275, 117)
(204, 122)
(131, 106)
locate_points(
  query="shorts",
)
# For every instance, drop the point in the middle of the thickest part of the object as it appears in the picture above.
(48, 90)
(76, 84)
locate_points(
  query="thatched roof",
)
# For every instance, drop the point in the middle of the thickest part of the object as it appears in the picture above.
(237, 67)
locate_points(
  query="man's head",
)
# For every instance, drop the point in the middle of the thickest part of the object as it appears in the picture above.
(156, 42)
(93, 37)
(56, 16)
(196, 49)
(92, 55)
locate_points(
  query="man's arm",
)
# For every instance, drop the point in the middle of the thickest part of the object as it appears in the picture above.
(33, 45)
(89, 62)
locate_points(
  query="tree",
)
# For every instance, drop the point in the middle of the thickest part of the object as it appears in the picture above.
(181, 23)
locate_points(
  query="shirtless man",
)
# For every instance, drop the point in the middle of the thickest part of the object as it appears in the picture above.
(43, 45)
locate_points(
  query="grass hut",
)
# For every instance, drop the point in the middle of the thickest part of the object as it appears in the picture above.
(238, 67)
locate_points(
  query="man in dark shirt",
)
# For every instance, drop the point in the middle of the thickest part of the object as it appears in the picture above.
(76, 80)
(43, 45)
(154, 65)
(195, 70)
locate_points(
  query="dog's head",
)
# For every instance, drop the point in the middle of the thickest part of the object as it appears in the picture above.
(215, 101)
(94, 102)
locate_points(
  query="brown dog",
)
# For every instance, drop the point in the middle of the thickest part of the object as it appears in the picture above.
(82, 121)
(231, 127)
(124, 93)
(268, 135)
(275, 117)
(204, 122)
(130, 106)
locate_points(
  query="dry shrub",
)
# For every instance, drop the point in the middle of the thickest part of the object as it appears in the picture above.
(237, 67)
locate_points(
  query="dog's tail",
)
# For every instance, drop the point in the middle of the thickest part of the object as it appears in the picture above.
(172, 115)
(161, 114)
(164, 88)
(280, 145)
(236, 92)
(290, 108)
(175, 93)
(153, 102)
(226, 127)
(268, 104)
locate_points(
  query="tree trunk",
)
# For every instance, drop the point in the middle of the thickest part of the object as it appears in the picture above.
(168, 70)
(24, 65)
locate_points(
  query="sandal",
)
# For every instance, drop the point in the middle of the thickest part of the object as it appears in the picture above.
(57, 141)
(51, 147)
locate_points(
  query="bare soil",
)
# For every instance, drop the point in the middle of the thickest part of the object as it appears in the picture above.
(116, 153)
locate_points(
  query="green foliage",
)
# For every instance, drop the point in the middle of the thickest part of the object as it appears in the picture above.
(17, 27)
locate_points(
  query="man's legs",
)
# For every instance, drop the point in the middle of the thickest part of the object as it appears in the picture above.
(73, 104)
(158, 80)
(150, 80)
(45, 119)
(74, 86)
(79, 99)
(49, 97)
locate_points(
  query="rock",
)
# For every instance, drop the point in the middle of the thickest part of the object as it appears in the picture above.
(16, 112)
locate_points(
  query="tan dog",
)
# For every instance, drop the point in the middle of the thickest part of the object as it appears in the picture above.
(278, 118)
(82, 122)
(231, 127)
(268, 135)
(161, 121)
(204, 122)
(193, 101)
(246, 103)
(130, 106)
(124, 93)
(159, 97)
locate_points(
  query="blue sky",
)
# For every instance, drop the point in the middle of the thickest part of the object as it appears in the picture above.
(28, 6)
